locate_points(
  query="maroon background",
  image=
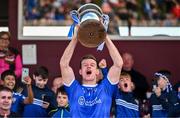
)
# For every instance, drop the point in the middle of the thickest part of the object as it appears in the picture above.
(149, 56)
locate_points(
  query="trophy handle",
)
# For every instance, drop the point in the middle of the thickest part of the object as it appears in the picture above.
(105, 21)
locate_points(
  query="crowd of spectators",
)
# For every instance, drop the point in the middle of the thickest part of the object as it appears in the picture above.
(121, 12)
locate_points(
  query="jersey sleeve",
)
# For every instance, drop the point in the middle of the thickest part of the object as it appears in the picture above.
(71, 89)
(110, 87)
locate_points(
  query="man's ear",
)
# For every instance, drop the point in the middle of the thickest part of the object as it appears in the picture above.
(46, 80)
(2, 82)
(97, 71)
(132, 86)
(80, 71)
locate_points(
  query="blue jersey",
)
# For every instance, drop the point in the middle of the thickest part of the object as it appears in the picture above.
(17, 102)
(61, 112)
(126, 105)
(35, 109)
(86, 101)
(157, 108)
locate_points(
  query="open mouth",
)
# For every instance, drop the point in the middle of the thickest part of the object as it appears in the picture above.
(125, 85)
(88, 72)
(6, 104)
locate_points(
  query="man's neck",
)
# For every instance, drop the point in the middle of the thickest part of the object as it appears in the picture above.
(4, 112)
(89, 83)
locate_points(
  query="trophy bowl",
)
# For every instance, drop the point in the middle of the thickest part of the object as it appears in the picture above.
(91, 32)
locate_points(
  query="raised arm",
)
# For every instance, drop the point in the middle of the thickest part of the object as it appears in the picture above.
(115, 69)
(29, 98)
(66, 70)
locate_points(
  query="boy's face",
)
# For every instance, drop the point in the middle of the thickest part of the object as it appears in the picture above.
(62, 100)
(89, 70)
(125, 84)
(161, 83)
(39, 81)
(9, 81)
(5, 100)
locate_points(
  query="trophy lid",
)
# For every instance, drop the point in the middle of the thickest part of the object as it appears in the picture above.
(90, 7)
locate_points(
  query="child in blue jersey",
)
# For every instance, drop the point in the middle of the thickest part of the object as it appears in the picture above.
(8, 78)
(90, 99)
(126, 106)
(44, 98)
(164, 100)
(63, 110)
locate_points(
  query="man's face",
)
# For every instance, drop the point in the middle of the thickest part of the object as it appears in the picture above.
(127, 61)
(39, 81)
(89, 70)
(62, 100)
(5, 100)
(9, 81)
(125, 84)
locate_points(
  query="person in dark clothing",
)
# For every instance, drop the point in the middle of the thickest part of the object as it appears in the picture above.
(138, 79)
(10, 58)
(176, 87)
(44, 98)
(164, 101)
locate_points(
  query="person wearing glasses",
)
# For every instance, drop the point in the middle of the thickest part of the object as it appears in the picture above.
(10, 58)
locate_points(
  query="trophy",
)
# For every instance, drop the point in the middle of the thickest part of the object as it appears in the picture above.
(92, 29)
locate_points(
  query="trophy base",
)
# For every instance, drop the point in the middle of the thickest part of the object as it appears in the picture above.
(91, 33)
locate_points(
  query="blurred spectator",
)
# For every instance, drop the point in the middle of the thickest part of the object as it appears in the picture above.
(164, 100)
(57, 82)
(113, 27)
(57, 12)
(176, 10)
(137, 77)
(176, 87)
(9, 57)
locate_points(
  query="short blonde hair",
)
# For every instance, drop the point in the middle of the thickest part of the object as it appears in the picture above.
(125, 74)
